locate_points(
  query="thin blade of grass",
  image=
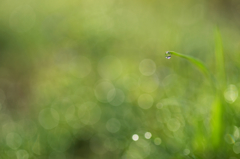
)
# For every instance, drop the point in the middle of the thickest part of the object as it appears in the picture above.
(216, 115)
(217, 124)
(194, 61)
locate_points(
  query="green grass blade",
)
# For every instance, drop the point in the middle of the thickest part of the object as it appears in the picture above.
(195, 62)
(217, 124)
(216, 115)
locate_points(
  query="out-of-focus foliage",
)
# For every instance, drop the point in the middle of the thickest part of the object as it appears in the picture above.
(89, 79)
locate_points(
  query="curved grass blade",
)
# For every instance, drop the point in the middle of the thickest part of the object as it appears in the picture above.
(195, 62)
(216, 106)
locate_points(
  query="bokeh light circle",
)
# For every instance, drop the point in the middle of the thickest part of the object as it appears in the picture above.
(149, 83)
(173, 124)
(147, 67)
(89, 113)
(135, 137)
(116, 97)
(109, 67)
(22, 154)
(48, 118)
(113, 125)
(145, 101)
(13, 140)
(231, 93)
(102, 91)
(157, 141)
(147, 135)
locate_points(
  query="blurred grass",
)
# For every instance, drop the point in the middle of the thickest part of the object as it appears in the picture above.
(79, 78)
(218, 125)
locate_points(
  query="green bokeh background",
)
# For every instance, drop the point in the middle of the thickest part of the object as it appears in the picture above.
(78, 78)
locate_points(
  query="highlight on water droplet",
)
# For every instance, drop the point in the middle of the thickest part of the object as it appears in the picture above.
(168, 55)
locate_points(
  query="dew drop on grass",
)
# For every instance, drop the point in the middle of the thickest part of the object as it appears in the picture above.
(168, 55)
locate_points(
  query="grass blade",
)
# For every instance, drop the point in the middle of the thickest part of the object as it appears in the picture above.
(194, 61)
(217, 124)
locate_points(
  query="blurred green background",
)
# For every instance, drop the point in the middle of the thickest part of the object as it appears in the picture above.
(85, 79)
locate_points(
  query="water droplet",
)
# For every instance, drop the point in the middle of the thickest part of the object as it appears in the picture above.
(168, 55)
